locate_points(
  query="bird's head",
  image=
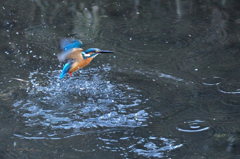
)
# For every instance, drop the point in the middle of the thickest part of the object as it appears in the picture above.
(96, 50)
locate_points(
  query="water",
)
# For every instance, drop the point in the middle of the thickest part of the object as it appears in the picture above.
(55, 105)
(170, 90)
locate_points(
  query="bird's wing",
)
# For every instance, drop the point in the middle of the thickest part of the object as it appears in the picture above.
(74, 54)
(68, 44)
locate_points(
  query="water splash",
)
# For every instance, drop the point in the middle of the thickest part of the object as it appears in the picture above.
(149, 147)
(154, 147)
(55, 109)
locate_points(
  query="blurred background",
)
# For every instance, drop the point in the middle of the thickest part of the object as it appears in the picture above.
(170, 90)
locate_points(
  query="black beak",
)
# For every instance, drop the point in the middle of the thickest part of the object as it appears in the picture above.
(105, 52)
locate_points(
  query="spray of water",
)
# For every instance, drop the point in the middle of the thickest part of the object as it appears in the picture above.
(87, 102)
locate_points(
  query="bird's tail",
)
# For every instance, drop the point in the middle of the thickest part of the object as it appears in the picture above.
(65, 70)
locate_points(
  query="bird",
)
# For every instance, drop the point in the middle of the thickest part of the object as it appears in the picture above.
(76, 56)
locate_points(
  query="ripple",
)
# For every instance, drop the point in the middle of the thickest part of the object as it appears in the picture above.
(150, 147)
(225, 108)
(231, 102)
(159, 75)
(193, 126)
(154, 147)
(229, 88)
(212, 81)
(57, 108)
(163, 75)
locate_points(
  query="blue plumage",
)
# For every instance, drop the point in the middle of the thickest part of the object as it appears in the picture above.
(65, 69)
(68, 44)
(92, 50)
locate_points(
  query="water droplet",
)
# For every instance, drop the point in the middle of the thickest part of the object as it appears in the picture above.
(87, 102)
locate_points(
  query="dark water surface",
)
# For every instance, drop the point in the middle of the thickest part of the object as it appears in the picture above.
(171, 90)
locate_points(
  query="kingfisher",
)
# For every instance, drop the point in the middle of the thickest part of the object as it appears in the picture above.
(76, 56)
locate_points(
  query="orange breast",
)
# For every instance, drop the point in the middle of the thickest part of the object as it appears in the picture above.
(80, 64)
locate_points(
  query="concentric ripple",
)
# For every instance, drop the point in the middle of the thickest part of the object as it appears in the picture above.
(229, 88)
(193, 126)
(212, 81)
(58, 109)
